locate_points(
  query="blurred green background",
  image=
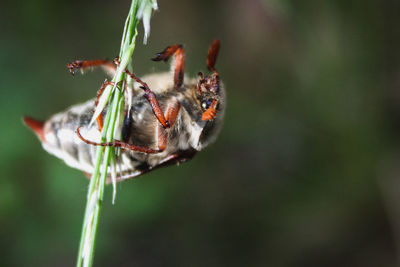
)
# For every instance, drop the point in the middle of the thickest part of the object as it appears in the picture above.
(306, 171)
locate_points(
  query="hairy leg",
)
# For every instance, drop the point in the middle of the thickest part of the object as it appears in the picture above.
(178, 64)
(107, 65)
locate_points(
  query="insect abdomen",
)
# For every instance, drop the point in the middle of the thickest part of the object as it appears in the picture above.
(61, 140)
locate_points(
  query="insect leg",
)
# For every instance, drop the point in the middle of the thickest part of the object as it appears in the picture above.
(100, 122)
(179, 64)
(101, 90)
(179, 157)
(117, 143)
(171, 115)
(99, 118)
(151, 97)
(107, 65)
(212, 55)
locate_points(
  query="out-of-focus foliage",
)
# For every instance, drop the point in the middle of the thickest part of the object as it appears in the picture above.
(305, 172)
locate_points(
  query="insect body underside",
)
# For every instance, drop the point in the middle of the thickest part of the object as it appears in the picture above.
(165, 125)
(62, 141)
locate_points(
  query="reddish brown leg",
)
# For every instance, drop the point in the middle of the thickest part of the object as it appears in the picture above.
(171, 115)
(212, 55)
(99, 118)
(84, 64)
(151, 97)
(179, 65)
(101, 90)
(117, 143)
(179, 157)
(100, 122)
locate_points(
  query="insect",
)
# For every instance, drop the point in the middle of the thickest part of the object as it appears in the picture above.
(171, 117)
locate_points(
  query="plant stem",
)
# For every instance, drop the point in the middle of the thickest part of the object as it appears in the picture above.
(105, 155)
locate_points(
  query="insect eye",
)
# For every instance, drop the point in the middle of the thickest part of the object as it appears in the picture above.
(205, 104)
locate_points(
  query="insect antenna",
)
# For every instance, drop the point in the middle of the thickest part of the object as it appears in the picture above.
(211, 112)
(201, 81)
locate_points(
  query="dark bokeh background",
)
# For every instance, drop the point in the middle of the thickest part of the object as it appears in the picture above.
(306, 171)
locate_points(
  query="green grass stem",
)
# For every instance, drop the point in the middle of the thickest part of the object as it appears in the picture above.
(112, 123)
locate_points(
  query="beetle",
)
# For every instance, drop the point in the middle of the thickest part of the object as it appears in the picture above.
(167, 124)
